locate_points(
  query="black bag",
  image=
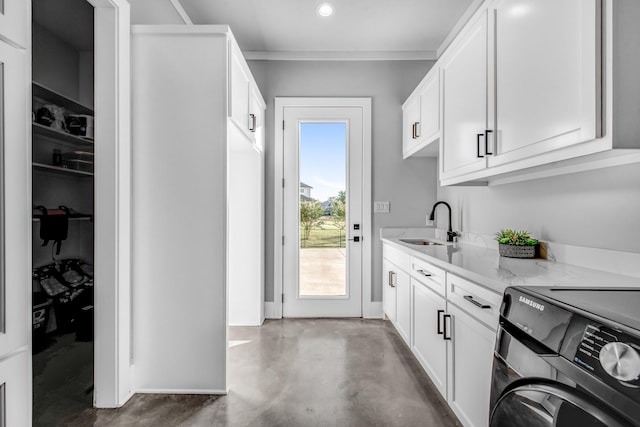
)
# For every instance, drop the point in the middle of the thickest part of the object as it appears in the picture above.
(54, 226)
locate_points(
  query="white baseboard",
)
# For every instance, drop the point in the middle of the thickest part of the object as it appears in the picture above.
(373, 310)
(270, 310)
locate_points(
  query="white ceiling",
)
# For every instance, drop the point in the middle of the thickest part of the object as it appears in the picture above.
(286, 29)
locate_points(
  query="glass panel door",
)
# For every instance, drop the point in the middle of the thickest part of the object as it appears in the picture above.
(322, 208)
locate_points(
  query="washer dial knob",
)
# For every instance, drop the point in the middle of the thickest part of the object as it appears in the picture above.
(620, 361)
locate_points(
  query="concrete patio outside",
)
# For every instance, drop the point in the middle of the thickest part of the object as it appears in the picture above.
(323, 271)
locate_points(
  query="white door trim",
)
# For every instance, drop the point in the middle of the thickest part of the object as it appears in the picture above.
(275, 308)
(112, 183)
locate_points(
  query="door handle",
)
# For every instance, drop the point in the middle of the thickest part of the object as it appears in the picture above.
(424, 273)
(413, 131)
(355, 239)
(391, 274)
(444, 332)
(486, 142)
(417, 127)
(478, 144)
(439, 328)
(476, 303)
(252, 125)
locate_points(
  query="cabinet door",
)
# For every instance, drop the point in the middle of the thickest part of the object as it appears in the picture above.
(547, 85)
(15, 212)
(15, 396)
(256, 117)
(428, 344)
(389, 289)
(429, 126)
(403, 305)
(239, 97)
(464, 80)
(469, 369)
(410, 122)
(14, 21)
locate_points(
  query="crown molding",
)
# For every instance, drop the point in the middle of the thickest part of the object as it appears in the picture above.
(340, 56)
(466, 16)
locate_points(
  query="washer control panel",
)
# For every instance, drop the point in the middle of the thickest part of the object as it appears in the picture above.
(609, 353)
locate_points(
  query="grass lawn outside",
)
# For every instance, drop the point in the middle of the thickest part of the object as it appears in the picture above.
(324, 235)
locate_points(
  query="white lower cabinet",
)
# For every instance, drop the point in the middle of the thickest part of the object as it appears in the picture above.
(429, 346)
(388, 290)
(450, 324)
(403, 304)
(469, 367)
(397, 299)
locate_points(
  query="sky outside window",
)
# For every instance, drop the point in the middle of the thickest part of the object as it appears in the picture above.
(323, 158)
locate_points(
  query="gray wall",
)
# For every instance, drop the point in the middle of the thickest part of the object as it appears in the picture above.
(410, 185)
(59, 66)
(598, 209)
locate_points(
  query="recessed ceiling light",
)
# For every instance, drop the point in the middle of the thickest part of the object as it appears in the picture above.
(326, 9)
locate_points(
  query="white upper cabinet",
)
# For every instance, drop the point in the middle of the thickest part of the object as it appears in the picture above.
(464, 78)
(536, 88)
(14, 21)
(421, 118)
(256, 116)
(547, 88)
(247, 106)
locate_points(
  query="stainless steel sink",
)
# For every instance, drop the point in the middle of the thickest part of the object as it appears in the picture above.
(421, 242)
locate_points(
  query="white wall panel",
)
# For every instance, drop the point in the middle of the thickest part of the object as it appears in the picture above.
(179, 204)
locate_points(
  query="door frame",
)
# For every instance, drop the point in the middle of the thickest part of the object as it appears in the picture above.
(274, 309)
(113, 384)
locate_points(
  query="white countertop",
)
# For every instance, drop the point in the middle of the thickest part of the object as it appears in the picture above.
(485, 266)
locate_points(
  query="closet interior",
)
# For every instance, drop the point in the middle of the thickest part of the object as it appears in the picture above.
(63, 201)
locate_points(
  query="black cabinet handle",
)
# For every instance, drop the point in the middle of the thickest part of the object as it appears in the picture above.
(476, 303)
(486, 142)
(444, 333)
(439, 331)
(478, 144)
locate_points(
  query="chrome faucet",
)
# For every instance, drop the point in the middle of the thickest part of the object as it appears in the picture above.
(450, 233)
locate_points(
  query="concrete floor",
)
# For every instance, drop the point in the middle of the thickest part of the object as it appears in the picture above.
(302, 372)
(62, 380)
(323, 271)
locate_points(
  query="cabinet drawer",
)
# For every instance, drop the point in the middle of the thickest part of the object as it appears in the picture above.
(476, 300)
(401, 259)
(429, 275)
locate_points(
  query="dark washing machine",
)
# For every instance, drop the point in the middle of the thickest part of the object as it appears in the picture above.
(567, 357)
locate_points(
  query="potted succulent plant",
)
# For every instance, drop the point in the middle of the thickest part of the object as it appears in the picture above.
(516, 244)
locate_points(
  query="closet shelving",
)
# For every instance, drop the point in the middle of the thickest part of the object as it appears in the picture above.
(59, 169)
(43, 95)
(76, 141)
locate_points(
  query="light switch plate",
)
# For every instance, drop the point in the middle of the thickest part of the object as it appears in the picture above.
(380, 207)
